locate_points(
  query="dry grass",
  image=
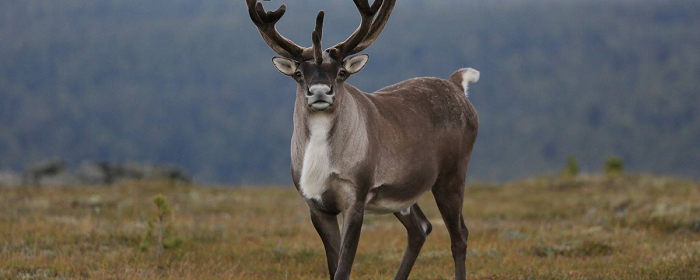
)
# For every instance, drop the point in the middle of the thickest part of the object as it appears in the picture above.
(586, 228)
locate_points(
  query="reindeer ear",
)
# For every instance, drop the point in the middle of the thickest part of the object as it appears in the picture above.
(285, 65)
(355, 63)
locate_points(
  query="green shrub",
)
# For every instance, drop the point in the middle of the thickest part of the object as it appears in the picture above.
(572, 168)
(163, 240)
(613, 166)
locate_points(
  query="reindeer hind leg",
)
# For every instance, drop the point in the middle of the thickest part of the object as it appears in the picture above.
(449, 196)
(417, 227)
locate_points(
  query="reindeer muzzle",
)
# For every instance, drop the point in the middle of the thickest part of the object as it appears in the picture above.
(320, 97)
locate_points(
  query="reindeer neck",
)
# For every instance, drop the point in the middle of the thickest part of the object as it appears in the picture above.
(342, 122)
(343, 131)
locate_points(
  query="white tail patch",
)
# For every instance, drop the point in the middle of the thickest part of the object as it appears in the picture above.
(469, 75)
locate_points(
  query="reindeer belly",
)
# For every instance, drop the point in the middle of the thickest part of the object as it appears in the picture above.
(399, 185)
(387, 206)
(386, 199)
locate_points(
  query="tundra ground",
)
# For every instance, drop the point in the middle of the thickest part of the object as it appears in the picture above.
(590, 227)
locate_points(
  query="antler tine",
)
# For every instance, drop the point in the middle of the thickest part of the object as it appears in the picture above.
(377, 26)
(265, 21)
(367, 12)
(316, 38)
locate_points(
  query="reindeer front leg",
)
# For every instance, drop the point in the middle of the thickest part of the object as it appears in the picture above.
(327, 227)
(352, 225)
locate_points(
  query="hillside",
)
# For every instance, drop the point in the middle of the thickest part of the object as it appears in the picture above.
(190, 83)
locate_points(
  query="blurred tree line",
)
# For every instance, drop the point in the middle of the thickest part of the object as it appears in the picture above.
(190, 82)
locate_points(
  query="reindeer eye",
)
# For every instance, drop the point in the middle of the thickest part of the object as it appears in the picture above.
(342, 73)
(297, 74)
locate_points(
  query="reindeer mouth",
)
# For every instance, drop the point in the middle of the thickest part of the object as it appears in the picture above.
(320, 101)
(320, 105)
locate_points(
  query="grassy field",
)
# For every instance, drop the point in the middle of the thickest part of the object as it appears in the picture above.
(591, 227)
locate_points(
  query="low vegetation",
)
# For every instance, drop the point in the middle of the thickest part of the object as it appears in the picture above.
(586, 227)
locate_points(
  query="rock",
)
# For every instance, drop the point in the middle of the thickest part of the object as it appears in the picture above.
(102, 173)
(10, 179)
(107, 173)
(48, 168)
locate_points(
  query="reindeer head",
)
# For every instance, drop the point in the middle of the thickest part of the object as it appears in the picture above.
(320, 73)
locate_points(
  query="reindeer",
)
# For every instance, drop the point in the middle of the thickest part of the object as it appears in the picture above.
(354, 153)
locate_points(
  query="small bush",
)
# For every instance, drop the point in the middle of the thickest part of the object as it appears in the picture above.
(164, 240)
(613, 166)
(572, 167)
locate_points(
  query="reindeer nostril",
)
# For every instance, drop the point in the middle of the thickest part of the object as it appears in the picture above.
(319, 89)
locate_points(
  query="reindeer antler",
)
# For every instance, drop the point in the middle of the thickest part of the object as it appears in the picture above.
(265, 21)
(316, 39)
(377, 26)
(369, 29)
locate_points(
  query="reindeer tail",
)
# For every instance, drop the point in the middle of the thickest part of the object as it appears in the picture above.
(463, 77)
